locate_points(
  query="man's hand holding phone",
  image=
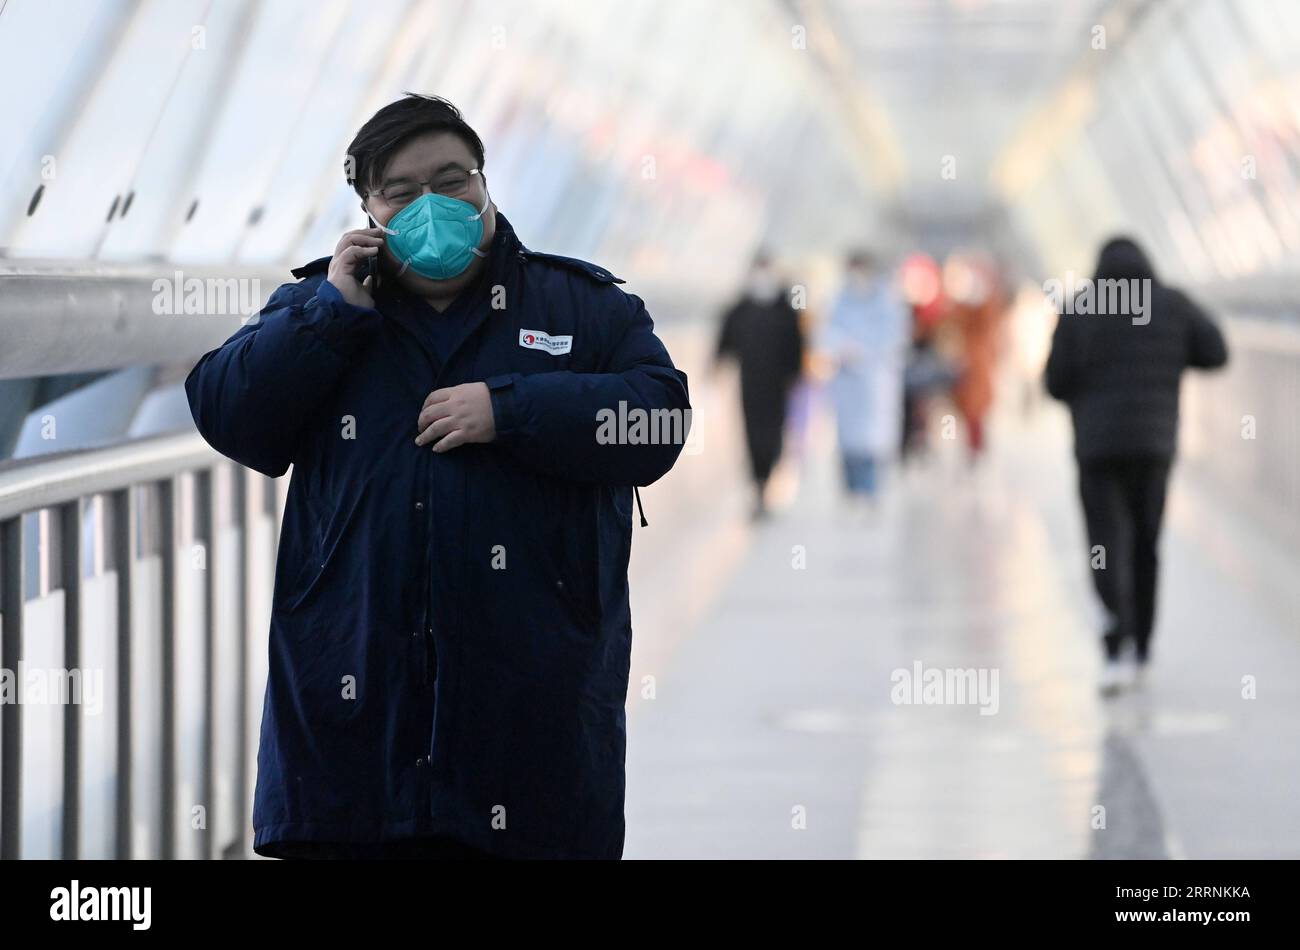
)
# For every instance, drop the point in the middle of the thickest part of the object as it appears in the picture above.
(353, 256)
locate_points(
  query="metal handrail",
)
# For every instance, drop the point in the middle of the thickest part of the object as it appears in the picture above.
(46, 481)
(196, 496)
(87, 316)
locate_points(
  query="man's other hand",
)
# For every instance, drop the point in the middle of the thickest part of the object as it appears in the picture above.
(456, 415)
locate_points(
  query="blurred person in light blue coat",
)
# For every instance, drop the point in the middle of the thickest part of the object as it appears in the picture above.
(865, 338)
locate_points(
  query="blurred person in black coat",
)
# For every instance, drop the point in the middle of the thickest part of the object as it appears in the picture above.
(761, 332)
(1118, 368)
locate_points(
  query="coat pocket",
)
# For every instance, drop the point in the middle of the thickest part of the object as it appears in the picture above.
(572, 590)
(574, 566)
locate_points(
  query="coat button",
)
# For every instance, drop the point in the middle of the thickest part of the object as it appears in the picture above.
(559, 585)
(419, 763)
(419, 506)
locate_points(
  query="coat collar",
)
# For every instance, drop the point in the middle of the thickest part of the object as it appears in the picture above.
(504, 254)
(470, 309)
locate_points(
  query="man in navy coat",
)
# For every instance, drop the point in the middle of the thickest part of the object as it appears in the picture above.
(450, 632)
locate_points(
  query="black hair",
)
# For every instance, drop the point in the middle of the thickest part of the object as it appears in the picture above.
(393, 126)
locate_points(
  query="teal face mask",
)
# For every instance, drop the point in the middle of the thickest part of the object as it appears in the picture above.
(437, 236)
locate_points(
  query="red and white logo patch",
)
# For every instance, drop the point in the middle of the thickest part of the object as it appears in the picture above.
(537, 340)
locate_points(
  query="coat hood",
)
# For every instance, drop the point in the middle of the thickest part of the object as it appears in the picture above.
(1122, 259)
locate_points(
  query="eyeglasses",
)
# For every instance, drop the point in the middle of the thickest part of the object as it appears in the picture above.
(450, 182)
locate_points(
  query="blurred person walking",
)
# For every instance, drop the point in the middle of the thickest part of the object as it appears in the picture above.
(865, 338)
(977, 317)
(1119, 372)
(926, 375)
(761, 332)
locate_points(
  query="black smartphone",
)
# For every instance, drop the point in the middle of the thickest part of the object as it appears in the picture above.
(372, 263)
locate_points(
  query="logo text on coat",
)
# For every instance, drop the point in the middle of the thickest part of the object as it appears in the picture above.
(537, 340)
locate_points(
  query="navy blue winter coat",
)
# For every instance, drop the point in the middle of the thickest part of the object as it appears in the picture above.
(476, 598)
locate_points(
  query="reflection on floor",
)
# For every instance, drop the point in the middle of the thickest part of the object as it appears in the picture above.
(773, 729)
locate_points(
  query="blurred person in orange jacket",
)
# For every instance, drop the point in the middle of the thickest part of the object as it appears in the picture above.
(978, 307)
